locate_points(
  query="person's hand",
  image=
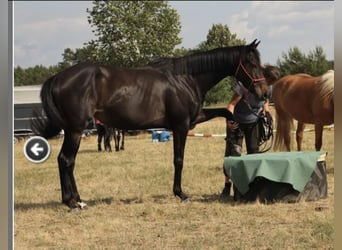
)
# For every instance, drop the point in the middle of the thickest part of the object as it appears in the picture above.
(264, 113)
(232, 125)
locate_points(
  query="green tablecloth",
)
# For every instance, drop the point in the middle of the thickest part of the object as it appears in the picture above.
(294, 168)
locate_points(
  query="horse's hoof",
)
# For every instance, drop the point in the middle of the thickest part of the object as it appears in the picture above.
(77, 206)
(81, 205)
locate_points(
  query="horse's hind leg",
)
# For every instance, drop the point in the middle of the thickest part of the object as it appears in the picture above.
(66, 164)
(299, 135)
(318, 136)
(284, 127)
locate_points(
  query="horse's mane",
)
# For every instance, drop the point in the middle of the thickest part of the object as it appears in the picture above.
(271, 73)
(212, 60)
(326, 83)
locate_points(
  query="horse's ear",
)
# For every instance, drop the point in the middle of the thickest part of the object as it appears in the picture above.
(254, 44)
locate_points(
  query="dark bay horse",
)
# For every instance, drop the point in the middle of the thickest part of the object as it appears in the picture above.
(306, 99)
(168, 93)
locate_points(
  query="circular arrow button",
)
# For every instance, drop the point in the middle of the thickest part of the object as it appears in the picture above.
(37, 149)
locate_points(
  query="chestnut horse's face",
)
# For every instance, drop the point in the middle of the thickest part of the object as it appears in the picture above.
(250, 71)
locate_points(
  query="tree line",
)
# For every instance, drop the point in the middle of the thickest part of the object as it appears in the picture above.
(134, 33)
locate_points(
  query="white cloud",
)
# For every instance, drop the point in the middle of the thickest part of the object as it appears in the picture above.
(42, 31)
(47, 35)
(275, 32)
(239, 24)
(281, 25)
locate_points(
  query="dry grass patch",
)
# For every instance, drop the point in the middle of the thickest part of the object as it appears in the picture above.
(131, 205)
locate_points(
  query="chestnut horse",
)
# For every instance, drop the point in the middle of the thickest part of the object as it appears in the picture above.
(306, 99)
(168, 93)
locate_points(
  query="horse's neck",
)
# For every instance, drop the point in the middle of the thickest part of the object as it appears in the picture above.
(206, 81)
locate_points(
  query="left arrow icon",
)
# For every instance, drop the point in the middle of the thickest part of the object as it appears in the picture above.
(35, 149)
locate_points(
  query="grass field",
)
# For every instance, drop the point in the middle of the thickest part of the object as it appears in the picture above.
(131, 204)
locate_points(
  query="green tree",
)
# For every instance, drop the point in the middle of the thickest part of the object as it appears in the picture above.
(132, 33)
(71, 57)
(220, 36)
(317, 62)
(295, 61)
(19, 76)
(33, 75)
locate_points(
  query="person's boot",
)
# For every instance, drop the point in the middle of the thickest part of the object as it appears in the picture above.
(99, 147)
(108, 148)
(226, 190)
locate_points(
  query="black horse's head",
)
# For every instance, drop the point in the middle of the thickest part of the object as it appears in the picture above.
(250, 71)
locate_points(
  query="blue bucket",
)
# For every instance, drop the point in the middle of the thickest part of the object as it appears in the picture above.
(155, 136)
(164, 136)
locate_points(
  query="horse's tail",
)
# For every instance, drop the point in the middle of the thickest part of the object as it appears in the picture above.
(283, 130)
(50, 125)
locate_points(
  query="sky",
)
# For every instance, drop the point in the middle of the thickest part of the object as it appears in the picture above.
(43, 29)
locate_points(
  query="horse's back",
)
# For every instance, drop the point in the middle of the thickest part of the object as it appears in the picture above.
(299, 97)
(128, 93)
(121, 97)
(293, 87)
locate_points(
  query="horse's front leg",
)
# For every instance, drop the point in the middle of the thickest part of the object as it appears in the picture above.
(179, 139)
(66, 164)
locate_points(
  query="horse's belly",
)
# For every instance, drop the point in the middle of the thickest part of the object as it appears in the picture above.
(132, 118)
(323, 117)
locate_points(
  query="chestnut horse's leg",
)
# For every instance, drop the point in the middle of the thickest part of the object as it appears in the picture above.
(284, 128)
(179, 139)
(66, 164)
(287, 139)
(299, 135)
(318, 136)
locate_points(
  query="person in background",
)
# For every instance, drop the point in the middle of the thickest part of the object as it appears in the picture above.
(100, 133)
(103, 132)
(246, 108)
